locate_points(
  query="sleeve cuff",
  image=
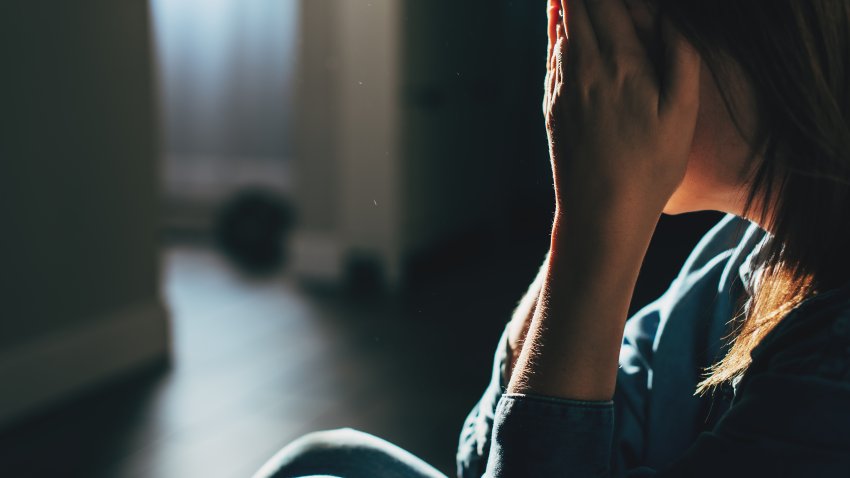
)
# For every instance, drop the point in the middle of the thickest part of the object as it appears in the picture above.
(543, 436)
(474, 444)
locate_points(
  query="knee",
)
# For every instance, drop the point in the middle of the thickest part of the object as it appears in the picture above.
(322, 442)
(314, 451)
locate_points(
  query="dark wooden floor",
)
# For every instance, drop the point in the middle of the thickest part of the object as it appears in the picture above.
(258, 362)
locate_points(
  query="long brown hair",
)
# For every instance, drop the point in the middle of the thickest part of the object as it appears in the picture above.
(796, 56)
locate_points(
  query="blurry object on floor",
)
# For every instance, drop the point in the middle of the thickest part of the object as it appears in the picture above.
(195, 188)
(226, 70)
(259, 361)
(253, 230)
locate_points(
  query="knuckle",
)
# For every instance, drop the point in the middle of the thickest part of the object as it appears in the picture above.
(584, 68)
(619, 68)
(592, 93)
(586, 82)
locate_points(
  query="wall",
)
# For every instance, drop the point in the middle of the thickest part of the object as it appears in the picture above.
(368, 141)
(453, 102)
(347, 159)
(226, 71)
(79, 283)
(400, 138)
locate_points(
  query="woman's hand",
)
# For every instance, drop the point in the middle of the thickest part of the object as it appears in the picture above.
(620, 127)
(620, 135)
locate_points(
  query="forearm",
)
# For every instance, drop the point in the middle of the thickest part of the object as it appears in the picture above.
(522, 317)
(572, 346)
(620, 138)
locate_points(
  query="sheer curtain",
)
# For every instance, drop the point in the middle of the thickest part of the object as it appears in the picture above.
(225, 73)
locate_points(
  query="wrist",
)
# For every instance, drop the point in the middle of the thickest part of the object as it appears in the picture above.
(602, 204)
(618, 235)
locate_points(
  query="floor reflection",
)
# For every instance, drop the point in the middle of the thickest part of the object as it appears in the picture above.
(258, 362)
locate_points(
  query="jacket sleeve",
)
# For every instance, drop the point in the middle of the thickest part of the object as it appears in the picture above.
(789, 418)
(783, 425)
(628, 413)
(474, 445)
(605, 438)
(630, 410)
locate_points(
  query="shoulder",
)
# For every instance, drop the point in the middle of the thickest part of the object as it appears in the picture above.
(723, 237)
(796, 392)
(812, 341)
(716, 266)
(725, 248)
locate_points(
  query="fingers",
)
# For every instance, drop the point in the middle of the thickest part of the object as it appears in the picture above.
(553, 16)
(555, 77)
(550, 82)
(579, 29)
(613, 27)
(560, 56)
(552, 76)
(681, 78)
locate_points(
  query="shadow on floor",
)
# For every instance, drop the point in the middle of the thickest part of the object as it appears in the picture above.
(259, 362)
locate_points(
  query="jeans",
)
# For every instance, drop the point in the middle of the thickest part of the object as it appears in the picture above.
(345, 453)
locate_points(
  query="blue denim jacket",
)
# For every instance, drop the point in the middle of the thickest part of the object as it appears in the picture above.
(788, 416)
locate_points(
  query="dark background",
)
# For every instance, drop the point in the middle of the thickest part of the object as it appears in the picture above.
(250, 354)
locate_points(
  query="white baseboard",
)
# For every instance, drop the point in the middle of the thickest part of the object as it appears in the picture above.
(41, 373)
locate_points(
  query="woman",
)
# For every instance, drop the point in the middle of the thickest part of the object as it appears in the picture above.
(743, 367)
